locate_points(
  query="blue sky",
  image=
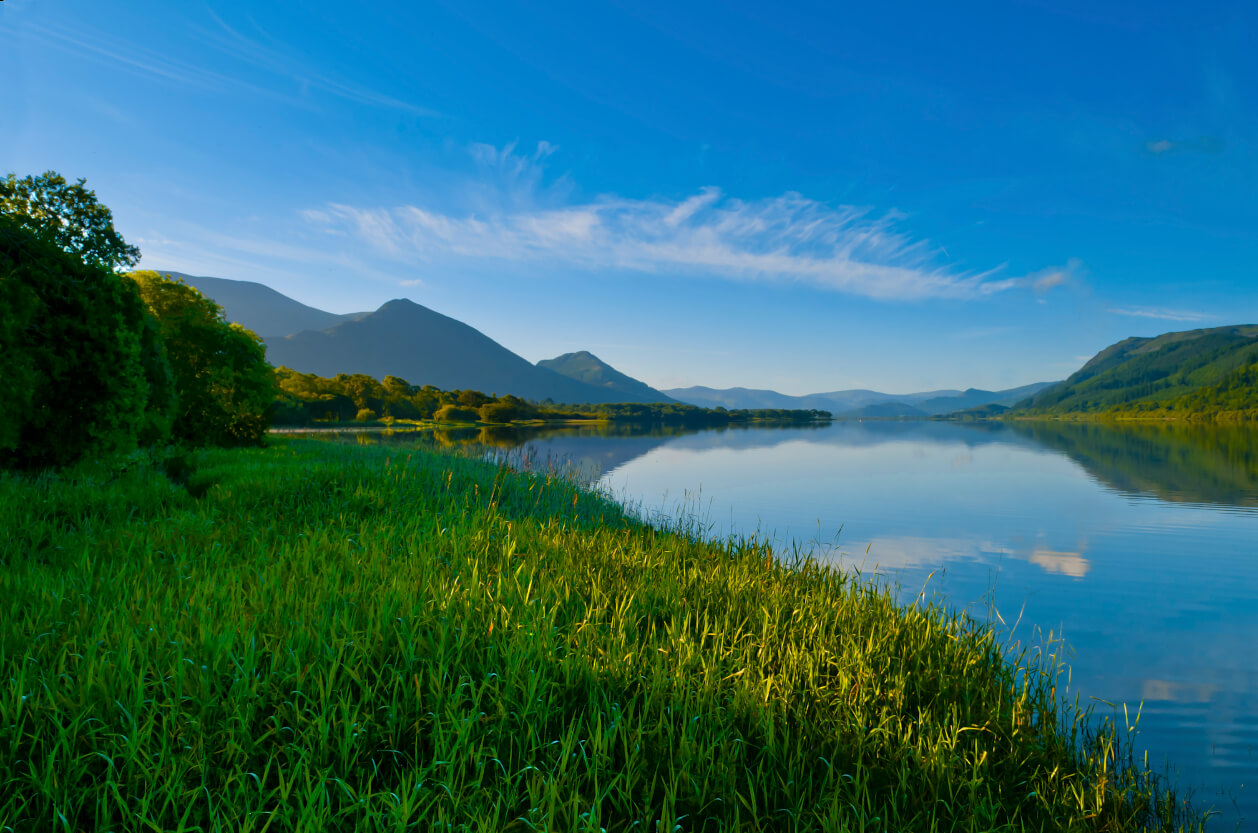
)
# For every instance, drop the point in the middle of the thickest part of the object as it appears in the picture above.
(799, 196)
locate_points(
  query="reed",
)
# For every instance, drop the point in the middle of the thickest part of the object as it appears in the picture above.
(312, 637)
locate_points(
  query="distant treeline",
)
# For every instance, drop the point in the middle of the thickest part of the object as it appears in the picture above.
(1233, 398)
(304, 399)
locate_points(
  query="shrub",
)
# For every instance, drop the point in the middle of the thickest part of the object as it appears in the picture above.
(499, 412)
(455, 413)
(365, 415)
(472, 398)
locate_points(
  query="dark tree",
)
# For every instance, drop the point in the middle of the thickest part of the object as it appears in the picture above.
(83, 376)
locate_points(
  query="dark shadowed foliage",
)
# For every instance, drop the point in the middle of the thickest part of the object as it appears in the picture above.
(83, 374)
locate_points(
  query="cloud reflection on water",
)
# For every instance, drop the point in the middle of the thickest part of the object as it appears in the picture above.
(892, 553)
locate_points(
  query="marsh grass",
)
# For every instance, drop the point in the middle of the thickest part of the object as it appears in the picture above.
(325, 638)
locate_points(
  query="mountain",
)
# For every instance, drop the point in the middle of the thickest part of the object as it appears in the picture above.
(992, 410)
(858, 403)
(424, 347)
(590, 369)
(735, 398)
(975, 398)
(1195, 370)
(261, 309)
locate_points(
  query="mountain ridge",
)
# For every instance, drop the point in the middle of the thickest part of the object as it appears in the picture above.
(410, 341)
(424, 347)
(257, 307)
(859, 402)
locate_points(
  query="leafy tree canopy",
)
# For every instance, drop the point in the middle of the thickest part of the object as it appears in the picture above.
(224, 385)
(70, 215)
(83, 372)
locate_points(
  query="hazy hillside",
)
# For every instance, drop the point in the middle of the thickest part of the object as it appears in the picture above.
(590, 369)
(1195, 369)
(733, 398)
(260, 308)
(424, 347)
(858, 403)
(975, 398)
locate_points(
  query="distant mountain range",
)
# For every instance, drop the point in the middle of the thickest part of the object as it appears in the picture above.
(859, 403)
(424, 347)
(1203, 371)
(414, 343)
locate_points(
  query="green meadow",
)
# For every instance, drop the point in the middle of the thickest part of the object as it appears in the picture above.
(313, 637)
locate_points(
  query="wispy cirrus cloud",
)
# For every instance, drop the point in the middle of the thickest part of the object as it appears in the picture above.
(1162, 314)
(788, 238)
(1204, 144)
(274, 60)
(275, 57)
(137, 59)
(199, 250)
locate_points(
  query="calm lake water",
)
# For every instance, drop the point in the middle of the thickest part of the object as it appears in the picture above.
(1138, 546)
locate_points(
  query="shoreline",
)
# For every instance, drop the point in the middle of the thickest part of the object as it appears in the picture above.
(490, 644)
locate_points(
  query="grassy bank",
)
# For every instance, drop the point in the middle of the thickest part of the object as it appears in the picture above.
(315, 637)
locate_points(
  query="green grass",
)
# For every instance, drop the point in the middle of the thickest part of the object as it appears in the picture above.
(323, 638)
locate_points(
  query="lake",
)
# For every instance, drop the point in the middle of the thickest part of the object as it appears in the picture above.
(1136, 545)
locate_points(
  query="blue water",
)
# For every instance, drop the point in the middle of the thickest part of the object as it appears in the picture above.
(1153, 587)
(1137, 546)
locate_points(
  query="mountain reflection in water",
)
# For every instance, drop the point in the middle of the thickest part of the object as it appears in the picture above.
(1189, 463)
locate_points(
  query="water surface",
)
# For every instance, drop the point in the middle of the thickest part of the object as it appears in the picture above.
(1138, 546)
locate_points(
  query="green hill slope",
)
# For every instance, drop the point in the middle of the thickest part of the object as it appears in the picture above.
(586, 367)
(1193, 372)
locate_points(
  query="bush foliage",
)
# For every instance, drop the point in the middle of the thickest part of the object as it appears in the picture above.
(82, 375)
(225, 386)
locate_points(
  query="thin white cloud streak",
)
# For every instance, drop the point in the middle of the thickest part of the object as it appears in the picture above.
(1162, 314)
(140, 60)
(224, 255)
(1204, 144)
(782, 239)
(144, 61)
(280, 60)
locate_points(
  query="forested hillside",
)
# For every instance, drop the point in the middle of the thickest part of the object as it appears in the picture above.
(1207, 373)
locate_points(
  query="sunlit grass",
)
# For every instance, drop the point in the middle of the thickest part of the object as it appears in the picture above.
(316, 637)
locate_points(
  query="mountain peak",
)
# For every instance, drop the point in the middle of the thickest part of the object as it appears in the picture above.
(401, 338)
(399, 304)
(586, 367)
(260, 308)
